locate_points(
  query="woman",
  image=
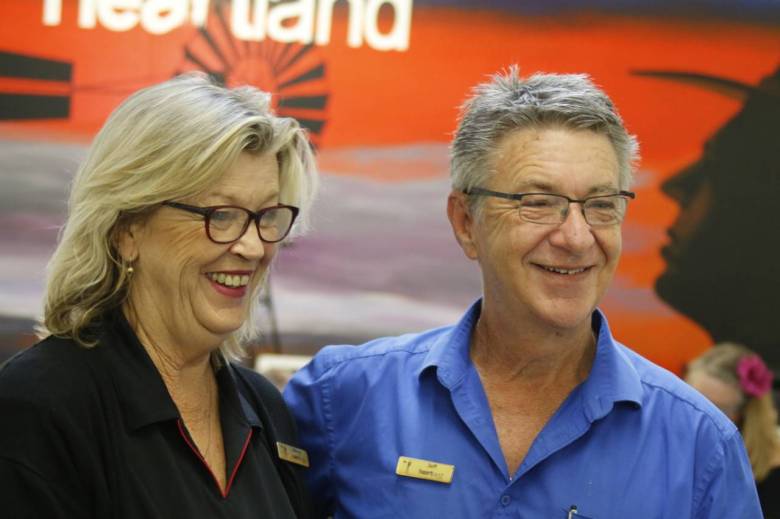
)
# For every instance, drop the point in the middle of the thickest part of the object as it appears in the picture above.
(132, 405)
(736, 380)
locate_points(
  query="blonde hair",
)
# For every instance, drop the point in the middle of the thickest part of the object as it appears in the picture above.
(170, 140)
(759, 415)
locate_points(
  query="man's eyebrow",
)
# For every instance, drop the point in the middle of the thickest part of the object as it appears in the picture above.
(540, 186)
(533, 185)
(603, 189)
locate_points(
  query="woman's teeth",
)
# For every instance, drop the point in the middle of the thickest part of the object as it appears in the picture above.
(228, 280)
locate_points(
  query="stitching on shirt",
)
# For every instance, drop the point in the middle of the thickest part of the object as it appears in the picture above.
(56, 486)
(334, 363)
(724, 430)
(709, 472)
(328, 414)
(726, 435)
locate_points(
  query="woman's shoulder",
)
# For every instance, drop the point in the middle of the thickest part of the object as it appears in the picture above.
(257, 383)
(263, 395)
(48, 373)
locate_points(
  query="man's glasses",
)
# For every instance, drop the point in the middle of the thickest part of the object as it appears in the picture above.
(551, 209)
(228, 223)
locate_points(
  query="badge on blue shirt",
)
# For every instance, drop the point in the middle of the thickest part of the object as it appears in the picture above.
(424, 469)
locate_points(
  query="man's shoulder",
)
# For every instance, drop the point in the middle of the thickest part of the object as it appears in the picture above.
(382, 353)
(667, 394)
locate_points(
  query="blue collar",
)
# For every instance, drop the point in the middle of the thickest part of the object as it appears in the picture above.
(612, 377)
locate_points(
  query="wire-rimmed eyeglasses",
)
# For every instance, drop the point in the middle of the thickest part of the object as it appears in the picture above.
(552, 209)
(228, 223)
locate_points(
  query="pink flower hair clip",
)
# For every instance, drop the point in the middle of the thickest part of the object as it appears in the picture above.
(755, 378)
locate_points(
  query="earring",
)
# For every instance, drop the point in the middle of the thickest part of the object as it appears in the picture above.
(130, 271)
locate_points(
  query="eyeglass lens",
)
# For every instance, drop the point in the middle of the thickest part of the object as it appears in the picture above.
(229, 223)
(547, 208)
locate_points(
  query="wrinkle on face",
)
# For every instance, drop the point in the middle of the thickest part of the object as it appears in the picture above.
(511, 251)
(170, 291)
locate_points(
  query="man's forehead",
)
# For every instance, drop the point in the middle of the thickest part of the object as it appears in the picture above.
(555, 159)
(539, 144)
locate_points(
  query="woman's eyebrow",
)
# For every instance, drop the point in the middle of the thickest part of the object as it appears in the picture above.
(230, 199)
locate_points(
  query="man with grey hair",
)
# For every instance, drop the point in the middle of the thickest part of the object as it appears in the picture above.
(527, 407)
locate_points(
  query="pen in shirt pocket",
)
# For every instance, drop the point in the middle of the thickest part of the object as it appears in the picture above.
(573, 514)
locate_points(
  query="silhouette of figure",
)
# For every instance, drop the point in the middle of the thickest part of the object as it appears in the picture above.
(723, 259)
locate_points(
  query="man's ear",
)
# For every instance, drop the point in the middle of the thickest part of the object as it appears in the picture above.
(462, 223)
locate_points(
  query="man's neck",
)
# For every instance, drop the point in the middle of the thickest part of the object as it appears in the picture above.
(520, 352)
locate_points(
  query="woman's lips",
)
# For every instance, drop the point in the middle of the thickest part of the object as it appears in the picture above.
(232, 284)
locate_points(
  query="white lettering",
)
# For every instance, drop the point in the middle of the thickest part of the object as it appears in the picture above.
(287, 21)
(302, 31)
(200, 12)
(161, 16)
(325, 15)
(87, 14)
(398, 37)
(52, 12)
(245, 29)
(118, 15)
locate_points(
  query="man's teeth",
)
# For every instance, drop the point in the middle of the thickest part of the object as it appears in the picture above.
(564, 271)
(228, 280)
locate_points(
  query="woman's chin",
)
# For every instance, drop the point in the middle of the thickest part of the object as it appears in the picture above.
(224, 322)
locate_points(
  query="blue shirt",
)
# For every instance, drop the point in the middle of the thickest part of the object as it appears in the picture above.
(632, 440)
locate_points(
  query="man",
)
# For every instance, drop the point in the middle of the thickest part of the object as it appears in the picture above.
(527, 407)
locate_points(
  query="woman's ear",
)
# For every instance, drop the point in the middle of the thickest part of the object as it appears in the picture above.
(462, 223)
(126, 238)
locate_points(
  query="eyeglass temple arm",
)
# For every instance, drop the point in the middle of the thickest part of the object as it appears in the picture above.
(204, 211)
(478, 191)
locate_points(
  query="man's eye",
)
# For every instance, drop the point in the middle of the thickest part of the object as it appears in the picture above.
(605, 205)
(537, 202)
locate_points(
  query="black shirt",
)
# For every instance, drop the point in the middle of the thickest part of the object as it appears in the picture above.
(769, 494)
(94, 433)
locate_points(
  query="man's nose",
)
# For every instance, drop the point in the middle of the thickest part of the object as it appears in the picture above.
(574, 232)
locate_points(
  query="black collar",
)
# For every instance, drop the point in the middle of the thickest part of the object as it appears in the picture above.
(142, 392)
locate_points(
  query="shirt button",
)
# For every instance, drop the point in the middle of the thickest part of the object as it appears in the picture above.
(505, 500)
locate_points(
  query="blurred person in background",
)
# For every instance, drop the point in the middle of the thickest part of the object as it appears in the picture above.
(738, 381)
(133, 404)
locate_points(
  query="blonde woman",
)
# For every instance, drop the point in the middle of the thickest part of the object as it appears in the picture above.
(132, 405)
(736, 380)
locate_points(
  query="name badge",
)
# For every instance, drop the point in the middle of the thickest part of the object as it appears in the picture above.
(292, 454)
(424, 469)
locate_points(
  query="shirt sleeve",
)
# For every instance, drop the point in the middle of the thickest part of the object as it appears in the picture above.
(728, 489)
(39, 476)
(308, 395)
(28, 495)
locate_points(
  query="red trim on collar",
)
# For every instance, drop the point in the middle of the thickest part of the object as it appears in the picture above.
(194, 449)
(238, 461)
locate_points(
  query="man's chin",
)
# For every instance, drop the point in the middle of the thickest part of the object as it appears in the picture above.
(567, 317)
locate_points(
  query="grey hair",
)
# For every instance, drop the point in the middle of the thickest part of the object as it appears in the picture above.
(508, 102)
(171, 140)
